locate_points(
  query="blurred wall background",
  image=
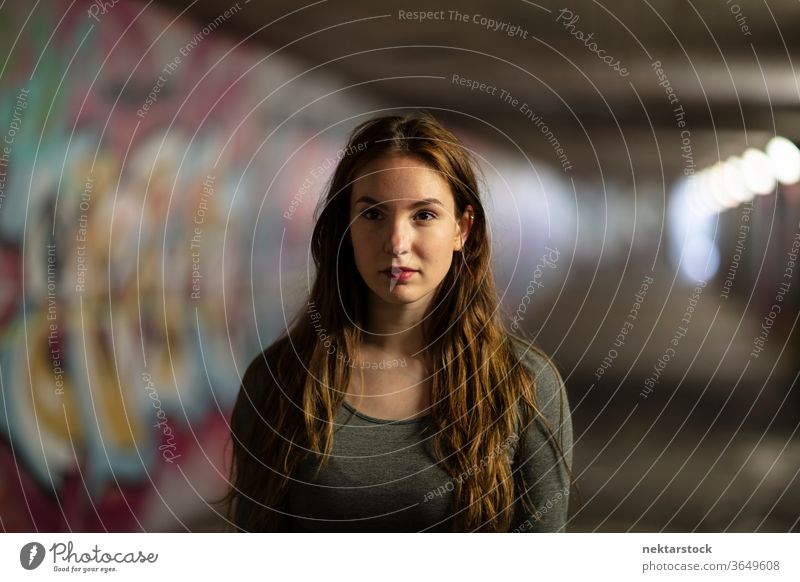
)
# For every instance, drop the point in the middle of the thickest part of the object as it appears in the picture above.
(161, 163)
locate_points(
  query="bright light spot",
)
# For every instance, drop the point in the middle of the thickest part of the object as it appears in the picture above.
(716, 187)
(700, 258)
(757, 171)
(697, 195)
(691, 240)
(733, 180)
(785, 159)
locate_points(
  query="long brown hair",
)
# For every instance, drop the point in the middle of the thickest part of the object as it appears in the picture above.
(481, 393)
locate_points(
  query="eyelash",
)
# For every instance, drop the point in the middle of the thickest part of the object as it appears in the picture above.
(425, 211)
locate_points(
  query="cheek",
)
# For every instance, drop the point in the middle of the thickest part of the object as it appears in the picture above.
(356, 236)
(363, 245)
(441, 244)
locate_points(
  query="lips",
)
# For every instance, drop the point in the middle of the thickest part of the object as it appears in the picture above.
(399, 273)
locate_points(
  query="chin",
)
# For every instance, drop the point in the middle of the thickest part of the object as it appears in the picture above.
(400, 295)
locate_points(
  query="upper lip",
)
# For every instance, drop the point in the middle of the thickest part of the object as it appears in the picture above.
(389, 270)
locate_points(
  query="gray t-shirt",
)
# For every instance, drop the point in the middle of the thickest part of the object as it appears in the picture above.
(381, 475)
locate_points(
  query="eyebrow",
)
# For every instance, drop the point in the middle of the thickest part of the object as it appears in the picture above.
(423, 202)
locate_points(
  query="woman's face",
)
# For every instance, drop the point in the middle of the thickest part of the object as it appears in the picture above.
(403, 228)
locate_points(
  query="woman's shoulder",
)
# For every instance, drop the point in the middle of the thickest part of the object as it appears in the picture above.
(540, 366)
(551, 397)
(263, 368)
(262, 385)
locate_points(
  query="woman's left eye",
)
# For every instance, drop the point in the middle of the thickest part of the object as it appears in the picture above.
(428, 213)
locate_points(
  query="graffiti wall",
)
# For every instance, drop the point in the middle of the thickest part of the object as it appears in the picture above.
(154, 173)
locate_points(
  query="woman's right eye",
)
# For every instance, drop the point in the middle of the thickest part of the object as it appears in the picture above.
(370, 214)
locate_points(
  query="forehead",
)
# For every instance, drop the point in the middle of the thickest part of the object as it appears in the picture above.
(400, 176)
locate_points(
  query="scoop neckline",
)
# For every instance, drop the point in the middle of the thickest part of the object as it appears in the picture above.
(369, 418)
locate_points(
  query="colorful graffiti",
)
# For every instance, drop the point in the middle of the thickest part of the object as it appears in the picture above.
(147, 165)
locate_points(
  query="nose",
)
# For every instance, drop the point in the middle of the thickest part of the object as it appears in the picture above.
(398, 239)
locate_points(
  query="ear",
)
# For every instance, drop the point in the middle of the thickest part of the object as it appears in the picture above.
(464, 225)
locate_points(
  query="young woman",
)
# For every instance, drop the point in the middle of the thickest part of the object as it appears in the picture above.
(396, 401)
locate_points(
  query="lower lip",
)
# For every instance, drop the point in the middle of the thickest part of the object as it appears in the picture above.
(402, 276)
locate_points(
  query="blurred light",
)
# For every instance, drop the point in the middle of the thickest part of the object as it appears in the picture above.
(698, 197)
(700, 258)
(785, 159)
(757, 171)
(691, 234)
(715, 183)
(733, 179)
(687, 194)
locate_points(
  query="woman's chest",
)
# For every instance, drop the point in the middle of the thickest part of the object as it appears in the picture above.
(390, 394)
(378, 478)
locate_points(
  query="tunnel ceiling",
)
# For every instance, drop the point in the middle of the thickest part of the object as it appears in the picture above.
(733, 67)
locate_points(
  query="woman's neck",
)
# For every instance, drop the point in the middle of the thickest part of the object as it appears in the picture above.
(395, 329)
